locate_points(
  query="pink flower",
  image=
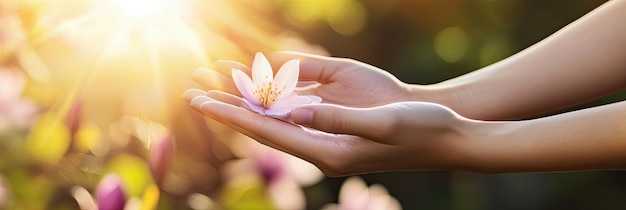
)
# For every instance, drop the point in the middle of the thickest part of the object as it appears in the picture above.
(268, 95)
(284, 176)
(161, 157)
(110, 194)
(15, 111)
(356, 195)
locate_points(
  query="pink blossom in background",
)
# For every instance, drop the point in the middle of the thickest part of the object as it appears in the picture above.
(356, 195)
(15, 112)
(110, 193)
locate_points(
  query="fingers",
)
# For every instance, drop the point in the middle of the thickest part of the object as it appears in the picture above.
(312, 67)
(220, 77)
(211, 79)
(366, 122)
(272, 132)
(224, 97)
(225, 67)
(197, 98)
(190, 94)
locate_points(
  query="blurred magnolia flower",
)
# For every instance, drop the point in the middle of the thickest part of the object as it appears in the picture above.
(284, 175)
(269, 95)
(161, 156)
(110, 194)
(355, 195)
(15, 112)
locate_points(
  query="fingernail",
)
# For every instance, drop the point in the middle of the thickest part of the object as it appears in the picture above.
(302, 116)
(190, 94)
(199, 74)
(199, 100)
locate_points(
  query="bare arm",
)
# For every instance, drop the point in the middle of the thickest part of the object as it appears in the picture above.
(372, 122)
(583, 61)
(428, 136)
(589, 139)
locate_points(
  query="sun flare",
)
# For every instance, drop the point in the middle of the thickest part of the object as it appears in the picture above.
(145, 9)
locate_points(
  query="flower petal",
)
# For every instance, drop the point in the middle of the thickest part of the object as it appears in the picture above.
(282, 108)
(287, 76)
(290, 102)
(278, 113)
(253, 107)
(244, 85)
(261, 70)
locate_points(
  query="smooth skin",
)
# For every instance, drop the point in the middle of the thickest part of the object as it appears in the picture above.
(370, 121)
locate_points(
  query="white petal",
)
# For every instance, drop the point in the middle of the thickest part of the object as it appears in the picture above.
(261, 70)
(278, 113)
(253, 107)
(287, 76)
(244, 85)
(283, 107)
(290, 102)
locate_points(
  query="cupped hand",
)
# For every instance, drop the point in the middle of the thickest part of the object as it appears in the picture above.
(339, 81)
(342, 140)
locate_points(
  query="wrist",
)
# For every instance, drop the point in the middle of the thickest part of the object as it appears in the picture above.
(440, 94)
(479, 146)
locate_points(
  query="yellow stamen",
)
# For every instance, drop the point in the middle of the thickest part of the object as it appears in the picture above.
(267, 93)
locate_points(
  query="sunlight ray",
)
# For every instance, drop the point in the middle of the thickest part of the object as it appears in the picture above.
(67, 24)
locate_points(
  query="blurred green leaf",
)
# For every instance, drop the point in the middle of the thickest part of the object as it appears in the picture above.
(31, 192)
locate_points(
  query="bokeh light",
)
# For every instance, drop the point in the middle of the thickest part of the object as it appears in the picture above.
(89, 88)
(451, 44)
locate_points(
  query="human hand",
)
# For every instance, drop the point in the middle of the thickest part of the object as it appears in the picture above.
(339, 80)
(342, 140)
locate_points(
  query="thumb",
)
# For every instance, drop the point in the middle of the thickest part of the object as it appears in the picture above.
(366, 122)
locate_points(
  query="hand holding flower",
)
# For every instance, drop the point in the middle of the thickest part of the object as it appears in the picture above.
(342, 140)
(269, 95)
(339, 81)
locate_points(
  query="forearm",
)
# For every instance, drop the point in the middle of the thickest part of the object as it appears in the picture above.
(583, 61)
(590, 139)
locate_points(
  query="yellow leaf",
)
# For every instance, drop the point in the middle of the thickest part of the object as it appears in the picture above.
(89, 139)
(133, 171)
(48, 140)
(150, 198)
(246, 192)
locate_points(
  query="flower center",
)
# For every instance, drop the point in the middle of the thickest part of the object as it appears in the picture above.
(267, 93)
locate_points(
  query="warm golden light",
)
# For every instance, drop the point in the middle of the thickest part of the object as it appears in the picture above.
(147, 8)
(108, 75)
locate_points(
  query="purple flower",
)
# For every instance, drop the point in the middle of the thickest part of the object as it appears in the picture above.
(269, 95)
(109, 193)
(284, 175)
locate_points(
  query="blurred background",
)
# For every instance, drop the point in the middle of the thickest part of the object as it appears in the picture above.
(91, 115)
